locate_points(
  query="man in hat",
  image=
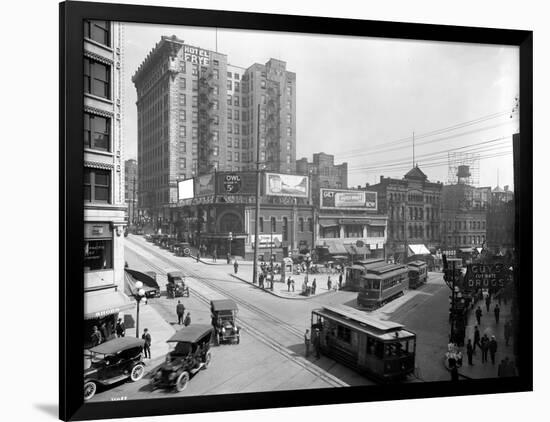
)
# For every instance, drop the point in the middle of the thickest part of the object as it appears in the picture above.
(120, 328)
(187, 320)
(493, 348)
(180, 311)
(147, 345)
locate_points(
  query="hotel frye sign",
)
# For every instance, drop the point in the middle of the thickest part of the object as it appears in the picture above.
(196, 55)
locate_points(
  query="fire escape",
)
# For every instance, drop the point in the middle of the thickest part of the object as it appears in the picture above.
(272, 127)
(206, 118)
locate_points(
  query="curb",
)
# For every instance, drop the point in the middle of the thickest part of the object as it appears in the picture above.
(278, 295)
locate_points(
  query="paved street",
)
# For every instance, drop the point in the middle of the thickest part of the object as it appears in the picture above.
(270, 355)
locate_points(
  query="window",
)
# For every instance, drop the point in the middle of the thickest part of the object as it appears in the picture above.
(195, 133)
(289, 90)
(288, 103)
(310, 224)
(236, 101)
(273, 225)
(195, 116)
(229, 74)
(237, 86)
(229, 141)
(98, 254)
(236, 76)
(195, 71)
(343, 333)
(215, 136)
(237, 129)
(285, 229)
(288, 145)
(354, 230)
(289, 118)
(97, 132)
(183, 115)
(236, 156)
(236, 145)
(262, 83)
(97, 185)
(195, 102)
(229, 85)
(229, 156)
(183, 100)
(97, 78)
(216, 119)
(230, 114)
(288, 131)
(301, 224)
(216, 73)
(216, 104)
(194, 147)
(216, 90)
(288, 158)
(229, 97)
(229, 128)
(375, 231)
(236, 114)
(99, 31)
(183, 132)
(263, 102)
(195, 85)
(261, 224)
(216, 63)
(215, 151)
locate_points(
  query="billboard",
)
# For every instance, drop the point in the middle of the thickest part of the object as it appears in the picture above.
(204, 185)
(236, 183)
(185, 189)
(277, 184)
(349, 199)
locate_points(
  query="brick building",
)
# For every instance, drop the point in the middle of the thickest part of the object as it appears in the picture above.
(501, 217)
(104, 202)
(323, 173)
(413, 207)
(198, 114)
(130, 190)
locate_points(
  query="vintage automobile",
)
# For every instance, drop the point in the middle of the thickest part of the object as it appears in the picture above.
(176, 286)
(111, 362)
(190, 354)
(182, 249)
(149, 280)
(224, 316)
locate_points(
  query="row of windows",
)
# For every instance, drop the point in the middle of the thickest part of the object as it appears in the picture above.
(351, 231)
(98, 31)
(415, 213)
(465, 225)
(466, 240)
(413, 197)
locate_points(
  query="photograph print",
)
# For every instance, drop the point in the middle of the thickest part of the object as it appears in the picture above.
(274, 211)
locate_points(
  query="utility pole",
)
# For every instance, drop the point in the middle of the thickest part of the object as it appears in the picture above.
(413, 150)
(134, 202)
(257, 216)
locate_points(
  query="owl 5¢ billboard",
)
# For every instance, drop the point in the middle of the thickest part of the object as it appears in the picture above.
(349, 199)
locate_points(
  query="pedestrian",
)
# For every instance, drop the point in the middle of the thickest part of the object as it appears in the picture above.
(488, 302)
(510, 369)
(497, 313)
(96, 336)
(477, 338)
(454, 373)
(317, 343)
(104, 332)
(198, 256)
(292, 284)
(288, 283)
(484, 348)
(180, 311)
(493, 348)
(120, 328)
(214, 256)
(235, 266)
(507, 332)
(187, 320)
(470, 351)
(313, 286)
(147, 345)
(228, 258)
(340, 279)
(479, 313)
(307, 341)
(329, 284)
(459, 358)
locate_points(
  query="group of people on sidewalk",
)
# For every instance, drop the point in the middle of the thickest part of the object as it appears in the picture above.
(487, 344)
(314, 339)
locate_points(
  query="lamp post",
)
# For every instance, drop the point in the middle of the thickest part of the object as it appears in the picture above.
(308, 263)
(230, 239)
(138, 294)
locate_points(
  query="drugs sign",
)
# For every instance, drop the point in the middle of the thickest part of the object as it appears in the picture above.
(486, 276)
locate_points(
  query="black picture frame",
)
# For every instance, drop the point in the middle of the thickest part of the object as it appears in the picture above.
(71, 15)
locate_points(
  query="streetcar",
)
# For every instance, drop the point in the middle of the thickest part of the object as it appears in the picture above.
(381, 284)
(418, 274)
(382, 350)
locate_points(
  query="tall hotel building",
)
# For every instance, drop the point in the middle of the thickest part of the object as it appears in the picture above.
(104, 202)
(198, 114)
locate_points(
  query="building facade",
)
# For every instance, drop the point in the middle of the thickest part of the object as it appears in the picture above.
(198, 114)
(501, 218)
(130, 190)
(104, 199)
(413, 207)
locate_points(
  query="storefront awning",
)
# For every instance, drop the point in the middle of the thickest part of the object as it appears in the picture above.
(357, 250)
(336, 248)
(377, 223)
(327, 222)
(108, 302)
(418, 250)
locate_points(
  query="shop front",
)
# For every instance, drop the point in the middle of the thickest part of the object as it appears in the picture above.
(102, 308)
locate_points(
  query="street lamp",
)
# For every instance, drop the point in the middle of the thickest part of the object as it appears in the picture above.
(230, 239)
(308, 263)
(138, 294)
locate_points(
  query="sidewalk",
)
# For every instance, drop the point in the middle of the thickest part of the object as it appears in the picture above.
(280, 288)
(491, 328)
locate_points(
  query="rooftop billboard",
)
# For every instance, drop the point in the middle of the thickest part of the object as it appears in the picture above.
(186, 189)
(277, 184)
(349, 199)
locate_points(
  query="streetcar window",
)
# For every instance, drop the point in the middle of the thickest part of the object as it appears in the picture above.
(344, 334)
(378, 349)
(370, 345)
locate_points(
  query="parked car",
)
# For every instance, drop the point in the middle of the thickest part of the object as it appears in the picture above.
(149, 280)
(182, 249)
(190, 354)
(111, 362)
(176, 286)
(224, 316)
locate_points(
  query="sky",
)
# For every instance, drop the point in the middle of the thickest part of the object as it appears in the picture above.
(362, 99)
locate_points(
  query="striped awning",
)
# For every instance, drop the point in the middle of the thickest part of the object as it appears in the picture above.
(105, 302)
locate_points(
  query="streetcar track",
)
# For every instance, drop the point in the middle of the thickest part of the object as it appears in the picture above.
(270, 342)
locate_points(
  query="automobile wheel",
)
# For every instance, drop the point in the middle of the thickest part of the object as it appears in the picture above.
(207, 360)
(89, 390)
(137, 372)
(218, 339)
(238, 339)
(182, 381)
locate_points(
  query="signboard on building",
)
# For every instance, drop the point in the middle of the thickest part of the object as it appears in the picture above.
(349, 199)
(277, 184)
(268, 240)
(236, 183)
(186, 189)
(196, 55)
(486, 276)
(204, 185)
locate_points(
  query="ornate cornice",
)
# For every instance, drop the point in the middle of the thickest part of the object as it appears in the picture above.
(98, 57)
(98, 112)
(98, 165)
